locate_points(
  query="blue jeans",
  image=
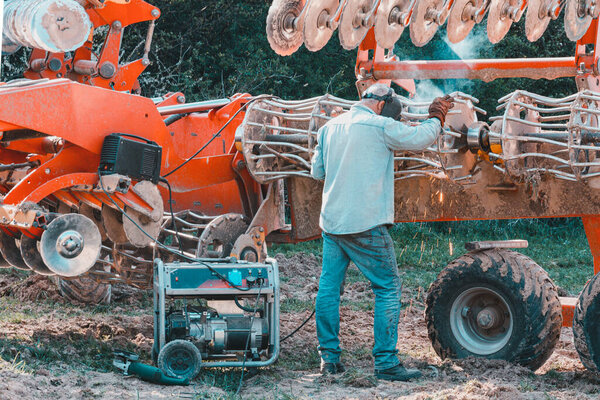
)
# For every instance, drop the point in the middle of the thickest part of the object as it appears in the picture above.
(373, 253)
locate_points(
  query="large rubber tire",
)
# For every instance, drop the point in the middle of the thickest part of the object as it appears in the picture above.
(586, 325)
(84, 290)
(531, 312)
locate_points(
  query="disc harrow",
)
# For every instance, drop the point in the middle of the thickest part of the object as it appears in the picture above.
(317, 20)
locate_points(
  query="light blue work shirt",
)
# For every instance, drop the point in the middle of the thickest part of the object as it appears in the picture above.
(355, 157)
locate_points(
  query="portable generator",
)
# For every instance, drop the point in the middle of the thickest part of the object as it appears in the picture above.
(215, 313)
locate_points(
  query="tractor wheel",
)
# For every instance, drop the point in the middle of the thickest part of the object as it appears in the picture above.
(586, 325)
(84, 290)
(495, 304)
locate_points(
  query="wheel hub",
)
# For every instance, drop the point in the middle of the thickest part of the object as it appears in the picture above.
(69, 244)
(481, 320)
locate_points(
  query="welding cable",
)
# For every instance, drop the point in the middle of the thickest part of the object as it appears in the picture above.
(166, 248)
(173, 224)
(261, 312)
(218, 133)
(300, 327)
(248, 340)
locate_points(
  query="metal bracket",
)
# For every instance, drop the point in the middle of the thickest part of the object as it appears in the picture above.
(496, 244)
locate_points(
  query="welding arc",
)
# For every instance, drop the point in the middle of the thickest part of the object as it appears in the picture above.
(284, 26)
(355, 22)
(389, 21)
(319, 23)
(462, 19)
(577, 20)
(537, 18)
(426, 19)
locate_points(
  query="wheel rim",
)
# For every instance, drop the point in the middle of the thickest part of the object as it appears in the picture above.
(181, 362)
(481, 320)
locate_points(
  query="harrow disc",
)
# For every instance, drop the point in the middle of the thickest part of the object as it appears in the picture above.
(10, 251)
(149, 229)
(96, 216)
(284, 27)
(31, 256)
(355, 22)
(577, 21)
(220, 234)
(316, 30)
(422, 25)
(388, 21)
(112, 220)
(499, 22)
(536, 19)
(462, 19)
(70, 245)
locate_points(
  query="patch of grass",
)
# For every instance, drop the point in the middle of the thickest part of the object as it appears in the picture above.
(559, 245)
(295, 305)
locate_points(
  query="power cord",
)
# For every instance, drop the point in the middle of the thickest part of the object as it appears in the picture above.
(166, 248)
(300, 327)
(243, 107)
(173, 224)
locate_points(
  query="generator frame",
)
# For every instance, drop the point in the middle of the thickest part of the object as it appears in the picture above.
(164, 290)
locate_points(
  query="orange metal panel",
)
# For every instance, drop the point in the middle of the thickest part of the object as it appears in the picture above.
(568, 309)
(43, 181)
(58, 183)
(78, 113)
(591, 224)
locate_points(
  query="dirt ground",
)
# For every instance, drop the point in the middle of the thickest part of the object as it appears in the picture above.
(295, 376)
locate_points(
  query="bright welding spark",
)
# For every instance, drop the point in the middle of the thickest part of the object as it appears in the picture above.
(450, 247)
(441, 197)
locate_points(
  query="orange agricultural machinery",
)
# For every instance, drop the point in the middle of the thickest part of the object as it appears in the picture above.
(91, 196)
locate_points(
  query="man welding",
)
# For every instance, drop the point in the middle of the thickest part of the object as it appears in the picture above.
(355, 158)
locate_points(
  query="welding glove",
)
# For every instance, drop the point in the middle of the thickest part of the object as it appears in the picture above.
(439, 108)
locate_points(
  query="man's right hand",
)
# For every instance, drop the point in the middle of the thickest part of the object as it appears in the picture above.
(439, 108)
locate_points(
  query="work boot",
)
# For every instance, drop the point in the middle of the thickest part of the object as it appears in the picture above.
(332, 368)
(397, 373)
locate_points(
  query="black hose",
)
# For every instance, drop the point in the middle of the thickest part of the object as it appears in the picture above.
(173, 118)
(261, 312)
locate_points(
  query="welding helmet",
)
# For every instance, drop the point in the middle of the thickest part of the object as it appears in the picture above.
(392, 107)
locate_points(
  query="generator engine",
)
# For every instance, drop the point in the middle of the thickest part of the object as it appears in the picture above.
(215, 313)
(218, 334)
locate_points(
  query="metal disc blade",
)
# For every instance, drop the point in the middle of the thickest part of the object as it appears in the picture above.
(421, 28)
(140, 229)
(577, 22)
(352, 29)
(70, 245)
(284, 32)
(10, 251)
(113, 224)
(316, 32)
(536, 19)
(220, 234)
(460, 23)
(32, 257)
(498, 24)
(388, 28)
(96, 216)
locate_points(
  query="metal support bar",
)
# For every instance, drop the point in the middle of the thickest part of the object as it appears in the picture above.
(486, 70)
